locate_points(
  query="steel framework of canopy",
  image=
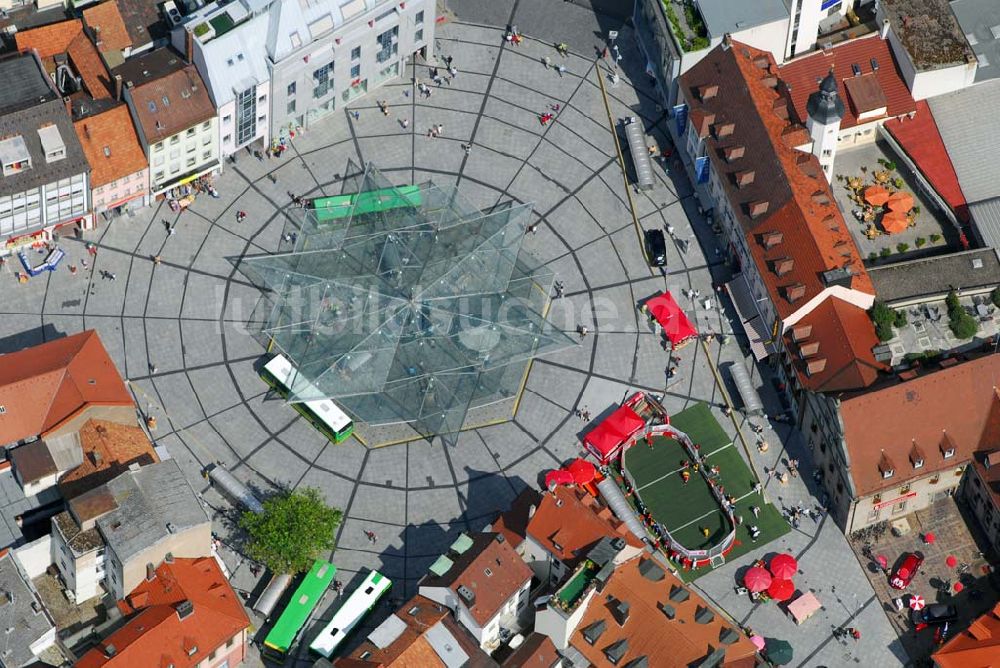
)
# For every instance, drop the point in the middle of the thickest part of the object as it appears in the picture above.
(414, 312)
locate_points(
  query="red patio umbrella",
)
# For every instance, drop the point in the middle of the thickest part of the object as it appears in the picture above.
(757, 579)
(929, 537)
(876, 195)
(781, 590)
(582, 471)
(900, 201)
(883, 561)
(784, 566)
(951, 561)
(894, 222)
(958, 587)
(917, 602)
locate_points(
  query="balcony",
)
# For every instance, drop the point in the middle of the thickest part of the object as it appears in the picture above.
(568, 597)
(686, 25)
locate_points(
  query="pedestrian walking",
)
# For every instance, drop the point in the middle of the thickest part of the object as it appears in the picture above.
(545, 118)
(272, 178)
(452, 71)
(563, 49)
(586, 415)
(467, 148)
(432, 132)
(561, 70)
(156, 259)
(440, 129)
(447, 61)
(555, 107)
(405, 122)
(171, 230)
(357, 115)
(532, 229)
(547, 62)
(114, 276)
(582, 331)
(84, 263)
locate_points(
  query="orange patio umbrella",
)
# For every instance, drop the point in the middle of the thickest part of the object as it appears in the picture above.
(894, 222)
(876, 195)
(900, 201)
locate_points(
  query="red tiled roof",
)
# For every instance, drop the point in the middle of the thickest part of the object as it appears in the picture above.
(846, 338)
(67, 37)
(507, 574)
(108, 20)
(108, 450)
(49, 40)
(957, 406)
(802, 77)
(537, 651)
(513, 523)
(920, 139)
(799, 201)
(568, 522)
(156, 636)
(42, 386)
(681, 641)
(111, 145)
(979, 645)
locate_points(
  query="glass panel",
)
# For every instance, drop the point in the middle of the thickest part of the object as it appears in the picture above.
(407, 303)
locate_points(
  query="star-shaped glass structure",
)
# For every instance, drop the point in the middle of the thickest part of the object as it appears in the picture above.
(408, 304)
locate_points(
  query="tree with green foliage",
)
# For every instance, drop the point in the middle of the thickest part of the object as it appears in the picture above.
(885, 319)
(294, 529)
(962, 325)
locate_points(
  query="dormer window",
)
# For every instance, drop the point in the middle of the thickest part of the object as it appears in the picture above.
(948, 453)
(918, 463)
(14, 155)
(888, 473)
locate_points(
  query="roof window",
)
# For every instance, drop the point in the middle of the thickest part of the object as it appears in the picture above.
(14, 155)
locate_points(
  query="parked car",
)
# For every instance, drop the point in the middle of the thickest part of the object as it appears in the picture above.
(937, 613)
(903, 575)
(656, 247)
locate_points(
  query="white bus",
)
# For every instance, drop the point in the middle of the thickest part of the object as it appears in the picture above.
(325, 415)
(350, 614)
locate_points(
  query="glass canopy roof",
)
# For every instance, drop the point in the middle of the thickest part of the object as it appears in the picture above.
(408, 304)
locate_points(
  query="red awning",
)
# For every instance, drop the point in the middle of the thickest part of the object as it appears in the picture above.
(614, 430)
(672, 319)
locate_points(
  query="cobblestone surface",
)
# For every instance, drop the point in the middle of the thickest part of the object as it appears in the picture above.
(187, 315)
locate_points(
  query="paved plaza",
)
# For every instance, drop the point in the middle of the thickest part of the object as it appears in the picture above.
(178, 330)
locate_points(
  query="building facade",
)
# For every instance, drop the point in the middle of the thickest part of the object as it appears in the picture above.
(45, 177)
(234, 66)
(177, 122)
(325, 54)
(119, 172)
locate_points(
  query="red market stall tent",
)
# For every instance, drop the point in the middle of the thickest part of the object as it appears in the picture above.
(675, 323)
(613, 432)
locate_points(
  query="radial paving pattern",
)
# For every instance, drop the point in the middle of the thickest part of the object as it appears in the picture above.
(186, 316)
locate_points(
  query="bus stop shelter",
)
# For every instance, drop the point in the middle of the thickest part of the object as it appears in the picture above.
(752, 403)
(635, 134)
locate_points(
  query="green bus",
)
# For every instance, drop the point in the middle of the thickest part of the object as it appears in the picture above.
(323, 414)
(297, 612)
(373, 201)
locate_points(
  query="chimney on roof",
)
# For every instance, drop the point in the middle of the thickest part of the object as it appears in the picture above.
(110, 651)
(772, 239)
(97, 35)
(733, 153)
(531, 510)
(467, 595)
(884, 31)
(118, 87)
(815, 366)
(69, 107)
(150, 572)
(727, 41)
(794, 292)
(168, 558)
(758, 208)
(801, 332)
(808, 348)
(783, 265)
(744, 178)
(189, 45)
(95, 456)
(707, 92)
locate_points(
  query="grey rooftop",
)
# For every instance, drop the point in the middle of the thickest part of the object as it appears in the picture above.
(970, 129)
(153, 502)
(728, 16)
(18, 603)
(929, 278)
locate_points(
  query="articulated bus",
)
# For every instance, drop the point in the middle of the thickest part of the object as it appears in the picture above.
(325, 415)
(350, 614)
(374, 201)
(297, 612)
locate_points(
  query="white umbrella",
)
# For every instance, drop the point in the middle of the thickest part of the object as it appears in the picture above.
(917, 602)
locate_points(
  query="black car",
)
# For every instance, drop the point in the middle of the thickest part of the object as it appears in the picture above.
(938, 613)
(656, 248)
